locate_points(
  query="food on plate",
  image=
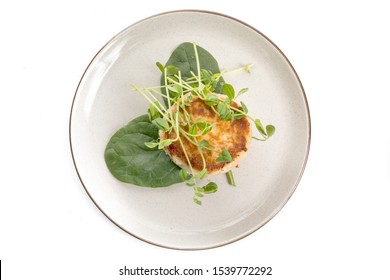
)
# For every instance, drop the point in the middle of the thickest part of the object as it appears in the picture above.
(234, 136)
(130, 161)
(195, 127)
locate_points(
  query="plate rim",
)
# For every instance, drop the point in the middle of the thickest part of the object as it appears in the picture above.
(307, 109)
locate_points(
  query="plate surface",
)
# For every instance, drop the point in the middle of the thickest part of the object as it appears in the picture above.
(266, 178)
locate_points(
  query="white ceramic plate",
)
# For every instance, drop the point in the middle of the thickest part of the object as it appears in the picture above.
(267, 177)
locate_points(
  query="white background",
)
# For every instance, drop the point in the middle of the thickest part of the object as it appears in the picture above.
(335, 226)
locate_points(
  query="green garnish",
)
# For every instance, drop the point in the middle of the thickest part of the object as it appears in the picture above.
(132, 156)
(230, 178)
(179, 90)
(229, 91)
(135, 153)
(225, 156)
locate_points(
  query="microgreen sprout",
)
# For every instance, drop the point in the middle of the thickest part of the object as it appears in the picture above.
(225, 156)
(179, 93)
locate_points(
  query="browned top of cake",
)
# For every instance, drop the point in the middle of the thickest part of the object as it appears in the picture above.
(233, 135)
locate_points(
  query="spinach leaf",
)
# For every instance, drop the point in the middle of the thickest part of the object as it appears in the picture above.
(131, 161)
(183, 58)
(126, 155)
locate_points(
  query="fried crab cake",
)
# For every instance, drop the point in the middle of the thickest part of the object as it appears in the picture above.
(235, 136)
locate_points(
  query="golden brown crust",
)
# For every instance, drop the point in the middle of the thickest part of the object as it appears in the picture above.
(235, 136)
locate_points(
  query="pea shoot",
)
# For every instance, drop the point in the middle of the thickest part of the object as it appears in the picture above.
(174, 118)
